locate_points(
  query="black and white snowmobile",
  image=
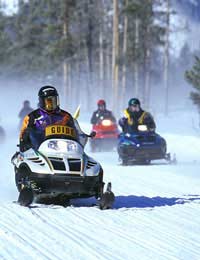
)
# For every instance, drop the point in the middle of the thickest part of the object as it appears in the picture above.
(58, 169)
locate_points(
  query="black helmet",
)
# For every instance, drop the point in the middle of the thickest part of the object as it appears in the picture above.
(134, 102)
(48, 98)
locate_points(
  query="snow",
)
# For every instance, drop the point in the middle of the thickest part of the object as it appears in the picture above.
(155, 214)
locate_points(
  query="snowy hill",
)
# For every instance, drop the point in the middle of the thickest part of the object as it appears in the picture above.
(155, 215)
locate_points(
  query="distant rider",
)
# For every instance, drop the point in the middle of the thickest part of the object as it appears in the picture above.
(101, 113)
(40, 123)
(26, 109)
(2, 134)
(134, 116)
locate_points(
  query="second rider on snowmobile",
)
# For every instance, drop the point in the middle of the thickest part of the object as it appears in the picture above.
(134, 116)
(105, 127)
(101, 113)
(139, 143)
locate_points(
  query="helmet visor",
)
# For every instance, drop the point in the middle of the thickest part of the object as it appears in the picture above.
(101, 107)
(51, 103)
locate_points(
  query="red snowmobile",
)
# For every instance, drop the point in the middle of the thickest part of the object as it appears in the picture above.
(106, 136)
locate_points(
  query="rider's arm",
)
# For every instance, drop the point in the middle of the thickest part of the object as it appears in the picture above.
(149, 121)
(123, 122)
(112, 117)
(25, 142)
(94, 118)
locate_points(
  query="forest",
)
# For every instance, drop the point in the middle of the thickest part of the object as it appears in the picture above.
(95, 49)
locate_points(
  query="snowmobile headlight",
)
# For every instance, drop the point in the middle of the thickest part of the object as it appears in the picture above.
(72, 146)
(106, 122)
(64, 146)
(142, 128)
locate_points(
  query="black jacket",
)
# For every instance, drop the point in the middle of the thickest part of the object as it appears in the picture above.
(99, 115)
(131, 120)
(33, 128)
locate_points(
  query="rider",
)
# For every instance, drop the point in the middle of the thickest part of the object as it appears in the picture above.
(26, 109)
(134, 115)
(47, 121)
(101, 113)
(2, 135)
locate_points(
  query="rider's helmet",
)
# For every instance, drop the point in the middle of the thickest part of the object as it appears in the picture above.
(101, 104)
(134, 102)
(48, 98)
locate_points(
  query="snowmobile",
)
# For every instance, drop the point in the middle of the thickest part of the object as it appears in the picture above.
(142, 147)
(106, 136)
(61, 170)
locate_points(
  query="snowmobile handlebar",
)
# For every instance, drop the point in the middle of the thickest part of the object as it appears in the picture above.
(91, 135)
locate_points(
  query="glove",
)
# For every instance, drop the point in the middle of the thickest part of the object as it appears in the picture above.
(122, 121)
(92, 134)
(24, 146)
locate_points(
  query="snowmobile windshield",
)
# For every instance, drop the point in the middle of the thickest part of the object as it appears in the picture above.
(82, 136)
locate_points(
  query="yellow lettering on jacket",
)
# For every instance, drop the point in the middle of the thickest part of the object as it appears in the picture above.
(60, 130)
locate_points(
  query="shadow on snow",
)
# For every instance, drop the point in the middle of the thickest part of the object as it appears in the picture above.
(132, 201)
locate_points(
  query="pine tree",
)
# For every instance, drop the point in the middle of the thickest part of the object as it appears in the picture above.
(6, 36)
(144, 37)
(193, 77)
(40, 45)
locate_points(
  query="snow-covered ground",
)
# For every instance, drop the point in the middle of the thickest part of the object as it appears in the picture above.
(155, 215)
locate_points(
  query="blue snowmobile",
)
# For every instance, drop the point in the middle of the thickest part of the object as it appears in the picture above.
(142, 147)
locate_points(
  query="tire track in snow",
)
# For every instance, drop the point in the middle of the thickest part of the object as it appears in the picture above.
(83, 235)
(13, 244)
(140, 244)
(79, 238)
(159, 247)
(118, 234)
(26, 237)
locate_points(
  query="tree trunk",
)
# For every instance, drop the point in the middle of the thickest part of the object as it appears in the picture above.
(136, 69)
(166, 59)
(115, 54)
(124, 55)
(147, 78)
(65, 80)
(65, 63)
(147, 68)
(90, 54)
(108, 73)
(101, 58)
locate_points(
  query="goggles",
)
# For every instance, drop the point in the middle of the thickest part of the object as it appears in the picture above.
(51, 103)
